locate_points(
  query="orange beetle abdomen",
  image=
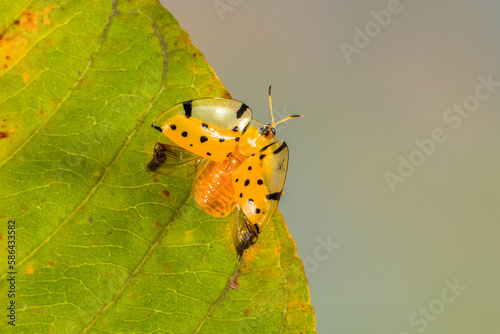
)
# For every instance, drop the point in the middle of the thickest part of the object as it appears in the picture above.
(213, 186)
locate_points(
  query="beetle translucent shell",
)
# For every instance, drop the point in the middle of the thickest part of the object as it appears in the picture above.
(245, 165)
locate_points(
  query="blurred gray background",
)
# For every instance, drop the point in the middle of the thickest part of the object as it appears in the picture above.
(393, 189)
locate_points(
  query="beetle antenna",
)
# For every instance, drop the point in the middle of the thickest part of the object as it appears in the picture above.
(287, 118)
(272, 116)
(271, 106)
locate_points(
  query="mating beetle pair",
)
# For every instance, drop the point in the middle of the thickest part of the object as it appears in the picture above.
(243, 165)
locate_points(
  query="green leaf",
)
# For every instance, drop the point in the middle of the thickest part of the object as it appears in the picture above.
(102, 245)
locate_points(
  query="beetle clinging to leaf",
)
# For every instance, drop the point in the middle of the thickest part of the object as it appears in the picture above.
(239, 162)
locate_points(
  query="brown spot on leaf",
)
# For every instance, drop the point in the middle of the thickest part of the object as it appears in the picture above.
(30, 270)
(48, 9)
(12, 44)
(246, 313)
(46, 12)
(4, 135)
(29, 20)
(166, 192)
(291, 303)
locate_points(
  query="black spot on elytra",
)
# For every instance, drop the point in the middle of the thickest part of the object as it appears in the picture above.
(249, 167)
(262, 156)
(184, 134)
(280, 148)
(237, 138)
(274, 196)
(203, 139)
(221, 140)
(241, 195)
(262, 149)
(235, 129)
(250, 201)
(257, 210)
(188, 108)
(209, 154)
(247, 182)
(236, 180)
(260, 182)
(241, 111)
(173, 127)
(204, 126)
